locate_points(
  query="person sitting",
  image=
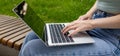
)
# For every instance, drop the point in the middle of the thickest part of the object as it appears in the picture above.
(101, 22)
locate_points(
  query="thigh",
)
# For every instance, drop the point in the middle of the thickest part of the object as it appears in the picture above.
(30, 36)
(37, 47)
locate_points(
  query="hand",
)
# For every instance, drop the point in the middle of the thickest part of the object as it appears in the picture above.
(85, 17)
(78, 26)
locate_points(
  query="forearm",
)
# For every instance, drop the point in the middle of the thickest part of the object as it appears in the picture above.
(109, 22)
(93, 9)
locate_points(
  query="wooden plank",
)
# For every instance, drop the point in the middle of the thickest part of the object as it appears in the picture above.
(2, 22)
(11, 32)
(12, 25)
(7, 38)
(2, 18)
(6, 21)
(12, 28)
(9, 23)
(18, 44)
(11, 42)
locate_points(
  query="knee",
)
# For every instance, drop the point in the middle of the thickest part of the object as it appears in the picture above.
(30, 36)
(31, 48)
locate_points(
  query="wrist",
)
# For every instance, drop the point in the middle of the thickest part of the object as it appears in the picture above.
(89, 14)
(93, 24)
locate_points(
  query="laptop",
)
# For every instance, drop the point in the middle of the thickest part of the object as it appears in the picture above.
(49, 33)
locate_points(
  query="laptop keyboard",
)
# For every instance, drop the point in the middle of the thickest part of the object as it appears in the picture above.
(56, 34)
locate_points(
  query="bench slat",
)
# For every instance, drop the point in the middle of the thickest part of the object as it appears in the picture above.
(18, 44)
(11, 42)
(4, 40)
(6, 17)
(12, 28)
(6, 21)
(11, 32)
(2, 19)
(12, 25)
(9, 23)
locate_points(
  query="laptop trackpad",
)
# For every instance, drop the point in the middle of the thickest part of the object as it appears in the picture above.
(82, 37)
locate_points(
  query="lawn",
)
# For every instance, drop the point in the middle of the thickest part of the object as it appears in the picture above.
(51, 10)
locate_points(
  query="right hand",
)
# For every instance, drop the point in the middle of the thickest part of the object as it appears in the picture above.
(78, 26)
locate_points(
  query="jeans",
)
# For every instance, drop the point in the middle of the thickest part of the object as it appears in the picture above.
(105, 44)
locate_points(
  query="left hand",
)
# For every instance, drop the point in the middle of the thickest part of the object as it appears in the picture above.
(78, 26)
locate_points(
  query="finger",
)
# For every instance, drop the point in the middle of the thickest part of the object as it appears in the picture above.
(70, 28)
(74, 32)
(83, 18)
(71, 24)
(64, 28)
(80, 17)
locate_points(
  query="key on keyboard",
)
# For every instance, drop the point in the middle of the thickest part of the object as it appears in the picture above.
(56, 34)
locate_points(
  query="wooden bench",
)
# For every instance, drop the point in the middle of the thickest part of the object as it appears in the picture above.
(12, 31)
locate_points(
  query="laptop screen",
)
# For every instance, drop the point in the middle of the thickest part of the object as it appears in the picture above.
(26, 13)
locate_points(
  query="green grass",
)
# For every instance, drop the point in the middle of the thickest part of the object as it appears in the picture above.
(51, 10)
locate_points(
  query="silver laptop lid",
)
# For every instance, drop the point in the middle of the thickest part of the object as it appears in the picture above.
(26, 13)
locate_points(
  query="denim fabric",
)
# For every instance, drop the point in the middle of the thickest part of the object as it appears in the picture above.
(114, 34)
(105, 45)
